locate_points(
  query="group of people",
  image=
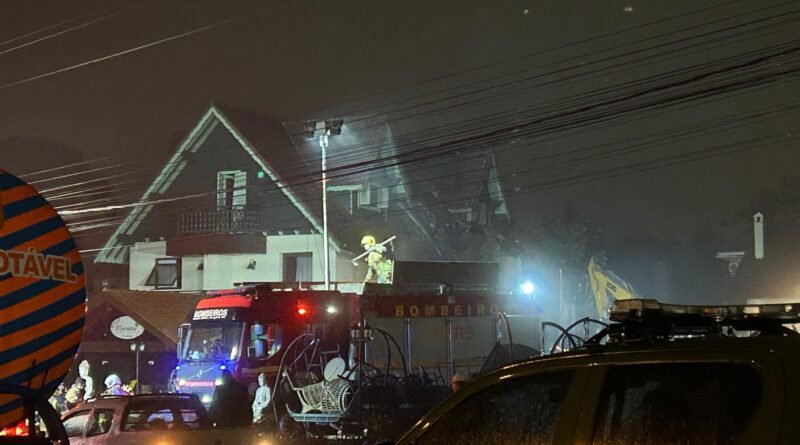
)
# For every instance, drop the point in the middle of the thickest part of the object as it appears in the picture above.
(82, 388)
(229, 407)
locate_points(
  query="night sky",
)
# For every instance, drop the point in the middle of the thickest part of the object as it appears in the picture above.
(299, 60)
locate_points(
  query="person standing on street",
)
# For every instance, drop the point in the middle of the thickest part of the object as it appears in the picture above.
(230, 405)
(458, 381)
(75, 393)
(114, 385)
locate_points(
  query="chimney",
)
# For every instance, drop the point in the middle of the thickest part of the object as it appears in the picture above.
(758, 236)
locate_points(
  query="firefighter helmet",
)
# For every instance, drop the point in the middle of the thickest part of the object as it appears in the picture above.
(368, 240)
(112, 380)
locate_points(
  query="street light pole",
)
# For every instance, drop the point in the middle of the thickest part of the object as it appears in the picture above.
(323, 145)
(326, 129)
(137, 347)
(561, 296)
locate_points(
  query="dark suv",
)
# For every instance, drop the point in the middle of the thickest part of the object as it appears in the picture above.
(659, 374)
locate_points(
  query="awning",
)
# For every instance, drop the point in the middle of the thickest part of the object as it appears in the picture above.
(160, 313)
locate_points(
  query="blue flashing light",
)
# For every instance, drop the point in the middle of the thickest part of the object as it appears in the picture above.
(527, 288)
(177, 367)
(222, 367)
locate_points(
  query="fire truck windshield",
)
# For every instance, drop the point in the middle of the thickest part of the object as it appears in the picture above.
(213, 341)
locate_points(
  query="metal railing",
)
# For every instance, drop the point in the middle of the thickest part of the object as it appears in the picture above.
(219, 220)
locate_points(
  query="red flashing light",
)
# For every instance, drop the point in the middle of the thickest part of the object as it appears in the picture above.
(303, 307)
(19, 429)
(226, 301)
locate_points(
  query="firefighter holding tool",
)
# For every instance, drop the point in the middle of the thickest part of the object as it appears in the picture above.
(379, 266)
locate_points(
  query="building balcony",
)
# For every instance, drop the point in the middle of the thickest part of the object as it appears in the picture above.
(218, 231)
(219, 221)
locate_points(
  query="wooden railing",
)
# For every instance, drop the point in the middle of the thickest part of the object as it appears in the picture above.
(219, 220)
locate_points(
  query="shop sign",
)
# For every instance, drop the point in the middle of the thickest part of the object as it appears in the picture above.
(126, 328)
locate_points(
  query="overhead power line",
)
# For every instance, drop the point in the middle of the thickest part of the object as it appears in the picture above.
(63, 167)
(38, 31)
(62, 32)
(702, 93)
(127, 51)
(618, 148)
(601, 174)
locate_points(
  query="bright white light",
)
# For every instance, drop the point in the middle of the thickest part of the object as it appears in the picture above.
(527, 288)
(218, 381)
(181, 382)
(206, 398)
(331, 310)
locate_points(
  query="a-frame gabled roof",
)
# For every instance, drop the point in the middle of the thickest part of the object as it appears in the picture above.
(161, 313)
(285, 167)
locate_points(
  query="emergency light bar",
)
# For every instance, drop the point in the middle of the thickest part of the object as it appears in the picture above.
(648, 320)
(641, 309)
(238, 290)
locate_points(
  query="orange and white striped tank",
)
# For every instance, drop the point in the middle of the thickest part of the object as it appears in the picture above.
(42, 295)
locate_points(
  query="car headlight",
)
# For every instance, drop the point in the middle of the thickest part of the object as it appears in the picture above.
(264, 440)
(206, 398)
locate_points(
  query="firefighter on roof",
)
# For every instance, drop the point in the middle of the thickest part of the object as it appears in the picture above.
(379, 267)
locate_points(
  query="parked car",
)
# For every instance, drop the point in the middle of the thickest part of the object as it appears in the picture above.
(659, 374)
(148, 419)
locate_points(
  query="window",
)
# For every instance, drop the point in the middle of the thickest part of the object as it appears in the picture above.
(479, 214)
(166, 274)
(101, 422)
(75, 424)
(191, 419)
(267, 339)
(152, 415)
(708, 403)
(345, 198)
(231, 188)
(463, 214)
(365, 197)
(519, 411)
(347, 195)
(297, 267)
(383, 198)
(213, 340)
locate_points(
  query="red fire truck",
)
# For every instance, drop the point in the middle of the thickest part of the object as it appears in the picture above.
(246, 329)
(391, 342)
